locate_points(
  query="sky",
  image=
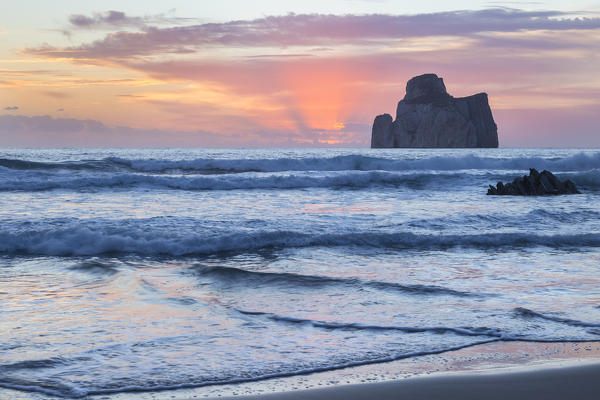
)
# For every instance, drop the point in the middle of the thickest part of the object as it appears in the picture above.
(288, 73)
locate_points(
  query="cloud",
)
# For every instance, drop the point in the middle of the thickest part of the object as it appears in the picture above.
(11, 108)
(112, 19)
(309, 30)
(54, 94)
(367, 76)
(60, 110)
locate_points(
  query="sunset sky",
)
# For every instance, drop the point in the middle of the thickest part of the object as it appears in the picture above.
(278, 73)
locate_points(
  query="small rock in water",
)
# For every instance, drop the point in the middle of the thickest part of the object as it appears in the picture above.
(536, 184)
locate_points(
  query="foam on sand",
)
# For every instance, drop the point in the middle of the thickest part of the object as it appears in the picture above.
(575, 382)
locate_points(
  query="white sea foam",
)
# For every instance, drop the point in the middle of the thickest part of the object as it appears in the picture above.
(445, 180)
(72, 391)
(575, 162)
(351, 179)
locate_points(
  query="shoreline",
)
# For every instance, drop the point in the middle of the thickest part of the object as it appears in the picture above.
(579, 382)
(492, 370)
(475, 365)
(497, 370)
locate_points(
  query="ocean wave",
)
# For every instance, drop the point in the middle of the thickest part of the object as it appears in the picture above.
(354, 179)
(448, 181)
(576, 162)
(255, 278)
(95, 267)
(46, 388)
(77, 239)
(24, 165)
(547, 218)
(527, 313)
(481, 331)
(50, 388)
(34, 364)
(585, 179)
(572, 216)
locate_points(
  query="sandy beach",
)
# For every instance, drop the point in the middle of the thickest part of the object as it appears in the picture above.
(574, 382)
(502, 370)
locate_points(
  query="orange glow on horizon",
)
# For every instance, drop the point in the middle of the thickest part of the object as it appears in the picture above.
(321, 94)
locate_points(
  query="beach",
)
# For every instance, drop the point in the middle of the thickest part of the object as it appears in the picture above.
(514, 370)
(493, 371)
(517, 370)
(578, 382)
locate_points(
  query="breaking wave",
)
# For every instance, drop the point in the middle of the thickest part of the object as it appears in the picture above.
(298, 180)
(95, 267)
(229, 182)
(255, 278)
(577, 162)
(491, 333)
(81, 240)
(24, 165)
(527, 313)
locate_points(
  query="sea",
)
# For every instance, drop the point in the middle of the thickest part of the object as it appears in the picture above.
(155, 269)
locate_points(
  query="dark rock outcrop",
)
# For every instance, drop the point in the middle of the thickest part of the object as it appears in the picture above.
(429, 117)
(536, 184)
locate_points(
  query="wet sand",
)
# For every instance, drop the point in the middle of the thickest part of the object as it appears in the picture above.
(499, 370)
(574, 382)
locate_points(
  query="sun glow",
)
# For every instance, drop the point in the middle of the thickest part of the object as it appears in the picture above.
(321, 94)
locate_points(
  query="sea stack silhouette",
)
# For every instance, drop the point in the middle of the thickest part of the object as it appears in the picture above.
(428, 117)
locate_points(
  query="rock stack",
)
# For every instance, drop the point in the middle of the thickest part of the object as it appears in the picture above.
(536, 184)
(429, 117)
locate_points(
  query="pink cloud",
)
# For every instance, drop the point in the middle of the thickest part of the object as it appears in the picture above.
(308, 30)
